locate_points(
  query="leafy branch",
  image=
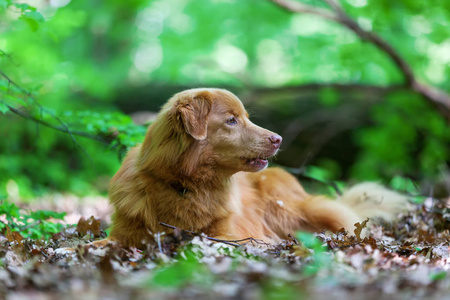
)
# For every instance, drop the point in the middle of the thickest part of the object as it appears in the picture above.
(64, 129)
(28, 95)
(438, 98)
(114, 129)
(28, 13)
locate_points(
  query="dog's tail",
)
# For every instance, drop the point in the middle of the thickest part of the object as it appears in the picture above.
(372, 200)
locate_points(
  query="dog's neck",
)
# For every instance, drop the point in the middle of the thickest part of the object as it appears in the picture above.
(204, 178)
(192, 169)
(200, 177)
(179, 188)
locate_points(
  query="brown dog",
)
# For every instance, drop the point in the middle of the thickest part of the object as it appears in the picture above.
(197, 169)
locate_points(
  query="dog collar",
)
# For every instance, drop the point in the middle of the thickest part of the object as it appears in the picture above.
(177, 186)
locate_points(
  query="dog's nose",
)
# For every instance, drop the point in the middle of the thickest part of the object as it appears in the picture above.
(276, 140)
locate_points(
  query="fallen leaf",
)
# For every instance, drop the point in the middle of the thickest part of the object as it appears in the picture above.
(13, 236)
(359, 228)
(90, 225)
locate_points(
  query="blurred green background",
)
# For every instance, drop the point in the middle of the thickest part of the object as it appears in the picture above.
(338, 101)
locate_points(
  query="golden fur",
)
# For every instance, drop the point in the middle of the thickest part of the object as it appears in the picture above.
(197, 170)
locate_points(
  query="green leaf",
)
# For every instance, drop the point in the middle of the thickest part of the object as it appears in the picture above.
(404, 184)
(34, 15)
(318, 173)
(177, 274)
(34, 26)
(4, 84)
(438, 276)
(46, 214)
(10, 210)
(23, 7)
(3, 108)
(49, 227)
(4, 4)
(32, 18)
(310, 241)
(12, 100)
(35, 233)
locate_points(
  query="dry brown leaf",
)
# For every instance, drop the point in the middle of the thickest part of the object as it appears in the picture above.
(359, 228)
(301, 251)
(90, 225)
(13, 236)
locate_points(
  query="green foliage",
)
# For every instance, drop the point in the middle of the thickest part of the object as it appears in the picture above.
(119, 127)
(404, 184)
(3, 108)
(26, 12)
(187, 270)
(329, 97)
(77, 59)
(319, 173)
(438, 276)
(32, 224)
(320, 257)
(409, 136)
(54, 55)
(281, 291)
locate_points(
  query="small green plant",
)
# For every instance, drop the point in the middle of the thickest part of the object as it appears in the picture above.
(32, 224)
(318, 252)
(185, 271)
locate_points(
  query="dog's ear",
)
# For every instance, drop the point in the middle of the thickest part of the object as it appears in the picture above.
(193, 112)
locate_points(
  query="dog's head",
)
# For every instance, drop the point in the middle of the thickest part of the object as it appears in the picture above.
(212, 127)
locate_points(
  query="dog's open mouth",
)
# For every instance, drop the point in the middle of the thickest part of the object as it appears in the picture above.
(257, 163)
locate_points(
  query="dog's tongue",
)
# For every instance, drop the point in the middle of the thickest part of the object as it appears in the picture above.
(258, 162)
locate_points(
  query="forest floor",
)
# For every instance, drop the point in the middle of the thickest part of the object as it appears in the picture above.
(405, 260)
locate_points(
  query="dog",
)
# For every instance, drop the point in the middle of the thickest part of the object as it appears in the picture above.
(203, 167)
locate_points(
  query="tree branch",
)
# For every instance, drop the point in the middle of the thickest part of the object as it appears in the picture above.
(333, 85)
(30, 96)
(438, 98)
(298, 7)
(101, 139)
(63, 128)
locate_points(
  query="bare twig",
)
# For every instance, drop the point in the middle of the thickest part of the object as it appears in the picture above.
(438, 98)
(30, 225)
(195, 233)
(228, 242)
(293, 239)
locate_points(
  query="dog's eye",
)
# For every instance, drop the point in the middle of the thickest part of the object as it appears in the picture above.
(231, 121)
